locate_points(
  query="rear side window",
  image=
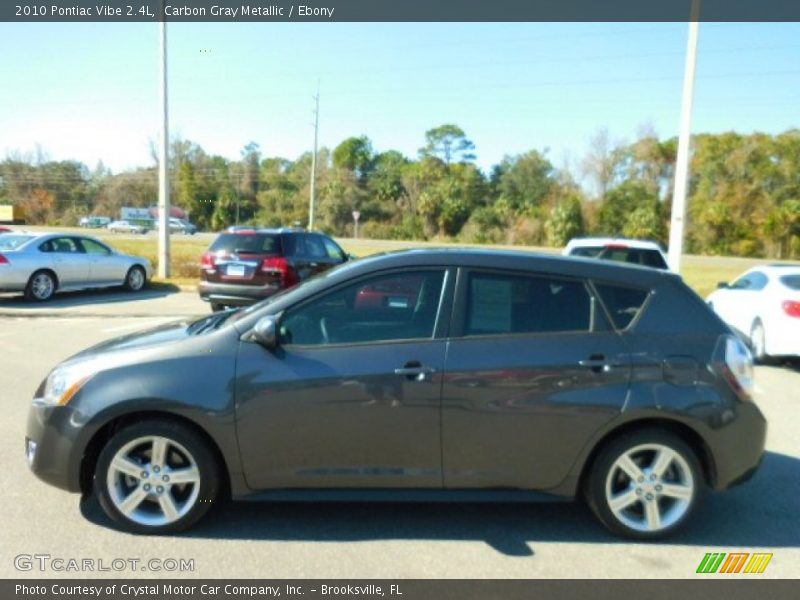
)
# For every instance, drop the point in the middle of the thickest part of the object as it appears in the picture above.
(251, 243)
(622, 303)
(509, 304)
(791, 281)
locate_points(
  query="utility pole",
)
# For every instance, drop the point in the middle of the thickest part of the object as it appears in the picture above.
(678, 218)
(163, 181)
(312, 200)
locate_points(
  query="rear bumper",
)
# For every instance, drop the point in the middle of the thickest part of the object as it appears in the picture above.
(234, 294)
(783, 338)
(738, 447)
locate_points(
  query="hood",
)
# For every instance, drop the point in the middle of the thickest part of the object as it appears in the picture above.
(169, 332)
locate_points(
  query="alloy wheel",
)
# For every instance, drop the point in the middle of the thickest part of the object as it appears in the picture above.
(153, 481)
(649, 487)
(42, 286)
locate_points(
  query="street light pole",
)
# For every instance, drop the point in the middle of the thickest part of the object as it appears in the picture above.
(312, 199)
(163, 181)
(678, 217)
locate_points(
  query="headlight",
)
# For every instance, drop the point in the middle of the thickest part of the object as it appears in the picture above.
(64, 382)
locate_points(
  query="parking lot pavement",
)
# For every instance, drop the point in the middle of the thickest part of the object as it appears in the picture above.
(156, 301)
(386, 540)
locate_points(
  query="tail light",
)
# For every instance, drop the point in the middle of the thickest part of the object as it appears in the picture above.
(790, 307)
(280, 264)
(207, 261)
(4, 260)
(735, 363)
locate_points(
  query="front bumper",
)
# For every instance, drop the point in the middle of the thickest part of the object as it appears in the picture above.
(58, 434)
(234, 294)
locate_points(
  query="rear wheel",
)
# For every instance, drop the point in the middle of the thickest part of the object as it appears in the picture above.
(156, 477)
(136, 279)
(758, 342)
(645, 485)
(41, 286)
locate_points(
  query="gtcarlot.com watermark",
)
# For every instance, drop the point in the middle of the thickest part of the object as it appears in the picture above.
(71, 564)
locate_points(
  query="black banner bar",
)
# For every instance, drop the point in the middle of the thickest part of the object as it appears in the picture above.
(710, 588)
(394, 10)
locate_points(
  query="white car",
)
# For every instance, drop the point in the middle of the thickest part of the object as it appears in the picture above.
(40, 264)
(126, 227)
(763, 305)
(637, 252)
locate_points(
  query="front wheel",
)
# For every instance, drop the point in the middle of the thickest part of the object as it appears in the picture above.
(156, 477)
(645, 485)
(136, 279)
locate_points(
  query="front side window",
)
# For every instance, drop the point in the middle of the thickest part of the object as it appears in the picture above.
(513, 304)
(389, 307)
(752, 281)
(314, 247)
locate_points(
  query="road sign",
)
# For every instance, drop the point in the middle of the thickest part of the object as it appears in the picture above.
(356, 215)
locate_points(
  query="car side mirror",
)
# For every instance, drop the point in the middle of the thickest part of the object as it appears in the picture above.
(349, 257)
(722, 285)
(265, 332)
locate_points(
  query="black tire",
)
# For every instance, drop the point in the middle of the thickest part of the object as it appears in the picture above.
(176, 432)
(34, 289)
(135, 279)
(595, 483)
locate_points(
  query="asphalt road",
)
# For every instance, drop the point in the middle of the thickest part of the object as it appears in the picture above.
(362, 540)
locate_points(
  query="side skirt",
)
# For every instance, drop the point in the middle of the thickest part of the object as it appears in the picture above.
(400, 495)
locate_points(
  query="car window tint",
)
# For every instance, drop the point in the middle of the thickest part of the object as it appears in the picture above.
(253, 243)
(64, 246)
(622, 303)
(589, 251)
(390, 307)
(752, 281)
(291, 245)
(653, 258)
(93, 247)
(499, 304)
(9, 241)
(314, 247)
(333, 250)
(791, 281)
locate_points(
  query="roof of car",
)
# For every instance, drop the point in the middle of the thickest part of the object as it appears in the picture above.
(607, 241)
(776, 269)
(515, 260)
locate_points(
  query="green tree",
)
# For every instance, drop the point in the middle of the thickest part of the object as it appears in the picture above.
(565, 221)
(449, 143)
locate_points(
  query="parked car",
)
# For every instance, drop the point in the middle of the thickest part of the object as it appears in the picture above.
(41, 264)
(5, 229)
(179, 226)
(763, 305)
(637, 252)
(94, 222)
(127, 227)
(246, 265)
(503, 376)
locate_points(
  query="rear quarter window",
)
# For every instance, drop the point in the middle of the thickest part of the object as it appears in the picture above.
(253, 243)
(623, 303)
(791, 281)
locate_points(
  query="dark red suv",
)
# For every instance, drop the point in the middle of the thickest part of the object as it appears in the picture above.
(244, 266)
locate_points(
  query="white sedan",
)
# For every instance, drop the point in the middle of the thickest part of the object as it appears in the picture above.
(763, 305)
(39, 264)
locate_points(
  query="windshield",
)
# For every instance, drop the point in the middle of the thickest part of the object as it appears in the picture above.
(10, 241)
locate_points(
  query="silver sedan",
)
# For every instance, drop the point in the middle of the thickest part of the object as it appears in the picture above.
(39, 264)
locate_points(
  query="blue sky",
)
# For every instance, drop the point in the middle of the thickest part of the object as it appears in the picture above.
(90, 91)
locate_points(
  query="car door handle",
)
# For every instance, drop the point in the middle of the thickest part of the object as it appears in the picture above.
(313, 264)
(414, 371)
(596, 362)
